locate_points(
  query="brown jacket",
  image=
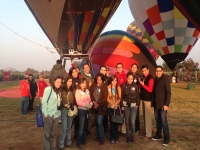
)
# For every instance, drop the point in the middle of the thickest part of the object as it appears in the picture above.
(102, 102)
(114, 100)
(67, 98)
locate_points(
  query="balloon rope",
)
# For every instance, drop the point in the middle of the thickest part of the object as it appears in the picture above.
(47, 48)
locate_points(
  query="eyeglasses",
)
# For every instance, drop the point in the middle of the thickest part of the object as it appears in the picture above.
(107, 70)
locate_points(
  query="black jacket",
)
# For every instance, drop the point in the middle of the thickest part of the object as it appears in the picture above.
(161, 92)
(33, 87)
(130, 92)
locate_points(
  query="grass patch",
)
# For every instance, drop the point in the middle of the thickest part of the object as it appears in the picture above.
(9, 85)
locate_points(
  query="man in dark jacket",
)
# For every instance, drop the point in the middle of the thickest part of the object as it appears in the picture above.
(160, 102)
(33, 90)
(57, 70)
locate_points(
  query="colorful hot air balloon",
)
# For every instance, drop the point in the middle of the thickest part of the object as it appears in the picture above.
(190, 9)
(72, 24)
(166, 29)
(117, 46)
(135, 31)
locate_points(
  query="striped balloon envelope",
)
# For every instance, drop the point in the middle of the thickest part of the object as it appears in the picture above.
(165, 27)
(117, 46)
(134, 30)
(72, 25)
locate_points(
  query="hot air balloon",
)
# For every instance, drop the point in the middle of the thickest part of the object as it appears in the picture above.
(72, 25)
(135, 31)
(117, 46)
(190, 9)
(165, 27)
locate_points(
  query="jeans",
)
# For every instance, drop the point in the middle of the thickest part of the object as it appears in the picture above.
(99, 126)
(82, 118)
(113, 126)
(130, 115)
(49, 138)
(66, 122)
(161, 122)
(24, 105)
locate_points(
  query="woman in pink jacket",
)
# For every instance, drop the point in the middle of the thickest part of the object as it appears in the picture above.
(41, 86)
(84, 103)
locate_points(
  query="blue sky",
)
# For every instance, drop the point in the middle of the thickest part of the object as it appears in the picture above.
(20, 54)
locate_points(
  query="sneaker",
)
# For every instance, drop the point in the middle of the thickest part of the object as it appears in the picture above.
(112, 141)
(128, 139)
(96, 139)
(165, 142)
(116, 142)
(157, 137)
(101, 143)
(136, 132)
(132, 139)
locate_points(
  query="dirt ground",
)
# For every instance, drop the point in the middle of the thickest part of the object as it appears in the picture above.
(20, 133)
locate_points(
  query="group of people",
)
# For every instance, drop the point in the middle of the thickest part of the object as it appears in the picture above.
(29, 90)
(104, 96)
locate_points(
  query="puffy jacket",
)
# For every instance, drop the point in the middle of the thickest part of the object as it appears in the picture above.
(130, 92)
(25, 88)
(57, 70)
(41, 86)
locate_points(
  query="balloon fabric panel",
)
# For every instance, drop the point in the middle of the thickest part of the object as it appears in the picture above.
(118, 46)
(135, 31)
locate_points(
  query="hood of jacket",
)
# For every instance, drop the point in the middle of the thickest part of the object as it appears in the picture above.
(57, 66)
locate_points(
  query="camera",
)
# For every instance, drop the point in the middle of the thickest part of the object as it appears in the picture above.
(142, 79)
(72, 107)
(128, 103)
(58, 107)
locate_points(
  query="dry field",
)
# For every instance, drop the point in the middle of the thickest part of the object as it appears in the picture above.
(20, 133)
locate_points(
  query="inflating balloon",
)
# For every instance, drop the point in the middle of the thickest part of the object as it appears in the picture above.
(135, 31)
(117, 46)
(165, 27)
(72, 25)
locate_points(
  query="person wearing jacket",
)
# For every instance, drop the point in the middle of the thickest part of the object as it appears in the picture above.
(41, 86)
(25, 94)
(68, 102)
(57, 70)
(86, 74)
(99, 94)
(75, 79)
(146, 88)
(84, 103)
(129, 103)
(51, 102)
(121, 76)
(160, 102)
(134, 69)
(113, 100)
(34, 91)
